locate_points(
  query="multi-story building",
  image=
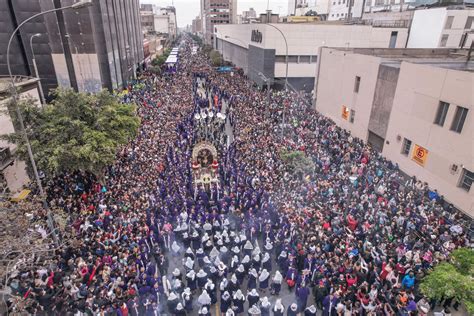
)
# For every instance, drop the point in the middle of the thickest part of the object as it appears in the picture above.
(13, 174)
(319, 8)
(261, 48)
(412, 105)
(97, 47)
(389, 5)
(148, 21)
(450, 27)
(216, 12)
(165, 22)
(197, 26)
(249, 16)
(345, 9)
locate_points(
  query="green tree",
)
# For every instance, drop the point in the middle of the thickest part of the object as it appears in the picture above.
(78, 131)
(216, 58)
(452, 279)
(160, 60)
(297, 162)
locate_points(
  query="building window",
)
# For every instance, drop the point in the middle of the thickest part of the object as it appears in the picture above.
(292, 59)
(305, 59)
(469, 21)
(466, 179)
(406, 146)
(356, 84)
(449, 22)
(352, 117)
(280, 59)
(443, 108)
(314, 58)
(444, 40)
(459, 118)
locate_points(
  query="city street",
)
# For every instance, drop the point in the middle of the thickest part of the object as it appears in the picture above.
(313, 164)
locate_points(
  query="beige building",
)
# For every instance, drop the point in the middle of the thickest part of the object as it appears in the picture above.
(413, 105)
(13, 174)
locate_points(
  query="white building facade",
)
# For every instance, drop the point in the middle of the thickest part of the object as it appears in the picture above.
(261, 48)
(442, 27)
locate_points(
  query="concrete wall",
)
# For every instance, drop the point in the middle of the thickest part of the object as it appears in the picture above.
(336, 88)
(260, 60)
(234, 53)
(420, 88)
(385, 88)
(87, 72)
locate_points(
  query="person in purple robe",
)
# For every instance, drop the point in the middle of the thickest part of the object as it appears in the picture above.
(302, 294)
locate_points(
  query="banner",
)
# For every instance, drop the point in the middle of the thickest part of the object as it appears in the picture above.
(419, 155)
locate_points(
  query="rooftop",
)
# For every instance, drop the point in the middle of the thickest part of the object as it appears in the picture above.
(456, 59)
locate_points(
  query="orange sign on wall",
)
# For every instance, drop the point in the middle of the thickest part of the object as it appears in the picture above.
(345, 112)
(419, 155)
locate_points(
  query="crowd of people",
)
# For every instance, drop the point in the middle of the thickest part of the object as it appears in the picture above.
(348, 238)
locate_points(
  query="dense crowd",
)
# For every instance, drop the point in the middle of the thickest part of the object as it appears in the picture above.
(348, 238)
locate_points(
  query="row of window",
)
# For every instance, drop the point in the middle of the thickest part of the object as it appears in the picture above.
(297, 59)
(459, 116)
(467, 26)
(465, 181)
(225, 5)
(219, 22)
(337, 15)
(458, 120)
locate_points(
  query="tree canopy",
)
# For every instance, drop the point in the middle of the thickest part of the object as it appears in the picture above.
(453, 279)
(216, 58)
(77, 131)
(297, 162)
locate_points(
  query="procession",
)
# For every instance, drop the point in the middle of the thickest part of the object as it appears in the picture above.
(200, 215)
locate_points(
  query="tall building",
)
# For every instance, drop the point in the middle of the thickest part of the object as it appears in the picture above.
(215, 12)
(197, 26)
(412, 105)
(97, 47)
(147, 21)
(165, 22)
(249, 14)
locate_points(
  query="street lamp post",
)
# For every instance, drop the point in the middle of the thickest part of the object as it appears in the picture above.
(77, 5)
(43, 100)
